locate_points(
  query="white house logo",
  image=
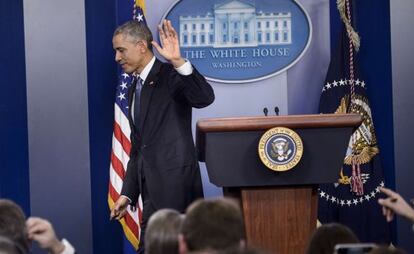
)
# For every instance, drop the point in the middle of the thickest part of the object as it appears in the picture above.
(236, 41)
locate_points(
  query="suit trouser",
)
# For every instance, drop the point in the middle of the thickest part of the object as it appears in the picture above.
(147, 210)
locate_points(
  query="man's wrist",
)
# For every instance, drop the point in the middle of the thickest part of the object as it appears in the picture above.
(127, 198)
(57, 247)
(185, 69)
(411, 216)
(177, 63)
(69, 249)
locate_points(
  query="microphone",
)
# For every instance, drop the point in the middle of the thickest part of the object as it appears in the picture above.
(265, 111)
(277, 110)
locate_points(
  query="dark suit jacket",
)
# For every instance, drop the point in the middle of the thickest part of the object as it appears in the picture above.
(163, 138)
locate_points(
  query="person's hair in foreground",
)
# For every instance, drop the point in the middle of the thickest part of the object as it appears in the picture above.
(7, 246)
(242, 250)
(13, 224)
(162, 232)
(211, 225)
(327, 236)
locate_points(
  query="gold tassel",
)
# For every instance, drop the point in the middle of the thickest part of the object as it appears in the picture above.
(352, 34)
(343, 178)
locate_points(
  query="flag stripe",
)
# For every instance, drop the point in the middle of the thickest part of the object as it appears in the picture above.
(122, 121)
(113, 194)
(119, 135)
(120, 153)
(115, 181)
(131, 222)
(117, 166)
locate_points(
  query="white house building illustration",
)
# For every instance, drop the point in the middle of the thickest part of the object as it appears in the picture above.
(236, 23)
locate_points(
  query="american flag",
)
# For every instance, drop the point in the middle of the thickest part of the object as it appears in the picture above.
(121, 147)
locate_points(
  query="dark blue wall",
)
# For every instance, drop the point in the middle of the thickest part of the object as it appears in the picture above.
(14, 170)
(102, 79)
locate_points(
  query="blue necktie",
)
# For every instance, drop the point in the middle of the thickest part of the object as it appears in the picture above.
(137, 100)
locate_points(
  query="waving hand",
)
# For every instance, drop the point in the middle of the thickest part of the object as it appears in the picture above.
(170, 49)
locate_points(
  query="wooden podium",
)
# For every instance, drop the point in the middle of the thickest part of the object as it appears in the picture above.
(279, 208)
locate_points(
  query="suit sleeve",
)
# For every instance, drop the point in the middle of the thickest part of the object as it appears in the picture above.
(193, 88)
(130, 185)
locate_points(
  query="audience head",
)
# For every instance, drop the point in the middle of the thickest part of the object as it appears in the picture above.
(327, 236)
(7, 246)
(212, 225)
(241, 250)
(162, 231)
(13, 223)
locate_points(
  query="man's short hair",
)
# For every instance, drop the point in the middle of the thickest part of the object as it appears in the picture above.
(136, 31)
(162, 231)
(13, 223)
(213, 224)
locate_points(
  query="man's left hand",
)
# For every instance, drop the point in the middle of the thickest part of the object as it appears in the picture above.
(170, 49)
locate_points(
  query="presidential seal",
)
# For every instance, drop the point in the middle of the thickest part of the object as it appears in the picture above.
(280, 149)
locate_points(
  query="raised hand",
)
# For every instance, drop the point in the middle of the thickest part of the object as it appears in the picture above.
(170, 49)
(41, 231)
(394, 203)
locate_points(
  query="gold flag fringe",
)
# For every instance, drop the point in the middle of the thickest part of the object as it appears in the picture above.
(363, 157)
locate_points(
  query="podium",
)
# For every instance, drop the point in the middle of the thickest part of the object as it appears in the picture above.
(279, 208)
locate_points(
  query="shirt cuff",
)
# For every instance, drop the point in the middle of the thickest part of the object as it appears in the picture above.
(68, 247)
(129, 200)
(185, 69)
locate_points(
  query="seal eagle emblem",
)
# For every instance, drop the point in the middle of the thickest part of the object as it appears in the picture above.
(280, 149)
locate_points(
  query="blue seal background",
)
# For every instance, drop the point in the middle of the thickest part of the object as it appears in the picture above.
(291, 145)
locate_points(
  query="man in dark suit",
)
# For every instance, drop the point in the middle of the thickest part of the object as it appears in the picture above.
(163, 167)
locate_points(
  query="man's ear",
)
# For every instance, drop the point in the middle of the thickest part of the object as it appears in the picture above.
(182, 245)
(143, 46)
